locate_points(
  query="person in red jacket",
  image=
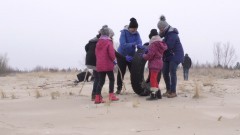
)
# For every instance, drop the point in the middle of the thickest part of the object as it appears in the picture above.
(106, 60)
(154, 56)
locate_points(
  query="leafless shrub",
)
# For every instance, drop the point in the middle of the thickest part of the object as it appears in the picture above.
(224, 55)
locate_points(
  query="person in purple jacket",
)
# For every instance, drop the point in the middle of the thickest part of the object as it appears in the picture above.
(129, 41)
(172, 57)
(154, 56)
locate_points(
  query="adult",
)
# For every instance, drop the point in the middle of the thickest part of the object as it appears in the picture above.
(172, 57)
(129, 40)
(187, 63)
(90, 62)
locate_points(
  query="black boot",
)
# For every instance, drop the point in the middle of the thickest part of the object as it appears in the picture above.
(118, 91)
(158, 94)
(152, 97)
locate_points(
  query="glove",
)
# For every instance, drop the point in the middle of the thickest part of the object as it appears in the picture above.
(134, 45)
(140, 47)
(115, 62)
(129, 58)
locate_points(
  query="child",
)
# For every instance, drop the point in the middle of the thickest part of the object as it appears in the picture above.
(106, 60)
(155, 64)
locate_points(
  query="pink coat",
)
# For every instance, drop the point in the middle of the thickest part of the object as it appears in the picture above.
(105, 54)
(155, 53)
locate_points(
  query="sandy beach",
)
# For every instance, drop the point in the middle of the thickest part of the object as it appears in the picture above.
(49, 104)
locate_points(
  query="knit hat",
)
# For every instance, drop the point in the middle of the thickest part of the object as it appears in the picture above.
(153, 32)
(111, 33)
(162, 24)
(133, 23)
(104, 31)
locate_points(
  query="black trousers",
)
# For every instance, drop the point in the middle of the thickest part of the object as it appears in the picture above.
(122, 64)
(102, 76)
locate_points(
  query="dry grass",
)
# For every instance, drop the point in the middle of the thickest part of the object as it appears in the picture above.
(3, 94)
(13, 96)
(135, 104)
(208, 82)
(197, 90)
(55, 95)
(38, 94)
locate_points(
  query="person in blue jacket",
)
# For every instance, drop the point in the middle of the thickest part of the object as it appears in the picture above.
(172, 57)
(129, 41)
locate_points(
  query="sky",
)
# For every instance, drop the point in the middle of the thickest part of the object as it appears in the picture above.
(53, 33)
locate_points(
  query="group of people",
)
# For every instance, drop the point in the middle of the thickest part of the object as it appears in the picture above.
(164, 53)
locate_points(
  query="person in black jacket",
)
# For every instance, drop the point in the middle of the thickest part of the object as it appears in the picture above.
(91, 62)
(187, 63)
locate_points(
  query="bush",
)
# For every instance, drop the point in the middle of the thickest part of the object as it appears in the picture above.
(4, 69)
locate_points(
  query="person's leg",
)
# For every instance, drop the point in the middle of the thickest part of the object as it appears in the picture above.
(173, 73)
(98, 98)
(166, 77)
(154, 85)
(187, 73)
(95, 83)
(110, 75)
(122, 66)
(112, 97)
(159, 76)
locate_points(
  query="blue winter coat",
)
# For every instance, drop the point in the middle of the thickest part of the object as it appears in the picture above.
(127, 40)
(175, 50)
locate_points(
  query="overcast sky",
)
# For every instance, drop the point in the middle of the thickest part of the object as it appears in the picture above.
(53, 33)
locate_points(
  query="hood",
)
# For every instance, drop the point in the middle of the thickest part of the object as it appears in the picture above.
(126, 30)
(155, 38)
(171, 29)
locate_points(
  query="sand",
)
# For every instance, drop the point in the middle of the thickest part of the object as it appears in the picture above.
(50, 104)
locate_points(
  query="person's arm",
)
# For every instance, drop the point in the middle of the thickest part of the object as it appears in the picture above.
(150, 54)
(171, 41)
(87, 47)
(111, 51)
(123, 42)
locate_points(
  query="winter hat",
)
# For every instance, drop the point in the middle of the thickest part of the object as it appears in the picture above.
(133, 23)
(153, 32)
(105, 30)
(111, 33)
(162, 24)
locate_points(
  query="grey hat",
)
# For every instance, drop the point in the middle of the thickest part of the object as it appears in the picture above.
(111, 33)
(162, 24)
(105, 30)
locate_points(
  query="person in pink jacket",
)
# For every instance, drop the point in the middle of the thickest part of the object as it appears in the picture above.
(154, 56)
(106, 60)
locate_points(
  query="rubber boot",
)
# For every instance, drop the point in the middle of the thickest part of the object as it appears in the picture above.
(98, 99)
(158, 94)
(112, 97)
(152, 97)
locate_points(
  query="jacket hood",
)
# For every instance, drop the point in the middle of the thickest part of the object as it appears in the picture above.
(171, 29)
(126, 30)
(155, 38)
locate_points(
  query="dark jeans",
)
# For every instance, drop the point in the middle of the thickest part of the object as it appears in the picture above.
(96, 81)
(185, 73)
(102, 76)
(122, 64)
(170, 75)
